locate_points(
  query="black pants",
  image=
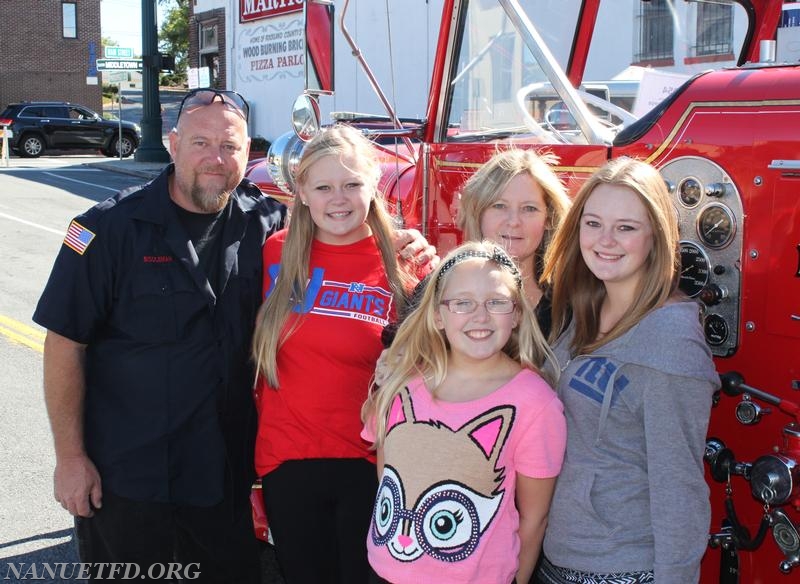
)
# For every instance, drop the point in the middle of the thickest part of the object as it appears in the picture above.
(165, 542)
(319, 512)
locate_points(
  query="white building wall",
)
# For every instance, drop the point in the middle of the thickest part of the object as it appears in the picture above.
(402, 67)
(271, 91)
(617, 42)
(204, 5)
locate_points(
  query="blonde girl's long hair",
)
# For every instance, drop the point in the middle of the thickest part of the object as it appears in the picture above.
(484, 188)
(577, 291)
(421, 348)
(289, 289)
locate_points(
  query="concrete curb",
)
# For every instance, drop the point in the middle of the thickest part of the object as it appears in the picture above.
(146, 170)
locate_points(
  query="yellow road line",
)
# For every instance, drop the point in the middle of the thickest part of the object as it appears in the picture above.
(22, 333)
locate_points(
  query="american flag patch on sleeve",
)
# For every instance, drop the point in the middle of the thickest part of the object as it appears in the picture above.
(78, 237)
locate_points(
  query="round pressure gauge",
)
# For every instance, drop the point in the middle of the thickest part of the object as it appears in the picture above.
(716, 225)
(716, 330)
(694, 269)
(690, 191)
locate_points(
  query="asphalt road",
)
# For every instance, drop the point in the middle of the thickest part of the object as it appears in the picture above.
(132, 107)
(38, 198)
(37, 202)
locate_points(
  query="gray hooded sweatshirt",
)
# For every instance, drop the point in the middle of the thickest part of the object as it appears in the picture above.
(631, 494)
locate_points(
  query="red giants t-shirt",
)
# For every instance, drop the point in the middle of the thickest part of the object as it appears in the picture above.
(325, 366)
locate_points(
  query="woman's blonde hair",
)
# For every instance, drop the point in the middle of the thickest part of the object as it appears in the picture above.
(289, 289)
(484, 188)
(577, 291)
(421, 348)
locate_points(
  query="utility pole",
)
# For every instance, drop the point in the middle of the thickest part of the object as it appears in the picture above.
(152, 147)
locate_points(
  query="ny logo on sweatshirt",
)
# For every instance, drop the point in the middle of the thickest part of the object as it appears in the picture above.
(594, 376)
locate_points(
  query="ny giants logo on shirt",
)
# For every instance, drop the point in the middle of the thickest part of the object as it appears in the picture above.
(354, 300)
(594, 376)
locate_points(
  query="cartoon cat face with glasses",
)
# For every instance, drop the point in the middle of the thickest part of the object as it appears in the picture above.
(439, 497)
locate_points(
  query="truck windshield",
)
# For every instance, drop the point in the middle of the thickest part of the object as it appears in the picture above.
(493, 66)
(503, 88)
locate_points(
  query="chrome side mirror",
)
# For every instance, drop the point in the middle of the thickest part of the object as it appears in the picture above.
(306, 117)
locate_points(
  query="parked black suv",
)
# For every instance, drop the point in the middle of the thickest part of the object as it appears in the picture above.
(44, 125)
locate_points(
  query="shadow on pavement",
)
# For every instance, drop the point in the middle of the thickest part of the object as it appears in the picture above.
(58, 563)
(51, 564)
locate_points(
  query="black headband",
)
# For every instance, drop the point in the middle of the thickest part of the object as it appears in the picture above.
(498, 256)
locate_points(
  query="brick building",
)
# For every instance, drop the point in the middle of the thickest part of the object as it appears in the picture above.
(206, 38)
(48, 50)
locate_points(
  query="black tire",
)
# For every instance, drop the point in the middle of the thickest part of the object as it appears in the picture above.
(128, 146)
(31, 146)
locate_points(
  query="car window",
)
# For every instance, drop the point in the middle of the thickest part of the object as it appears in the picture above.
(56, 112)
(77, 113)
(34, 111)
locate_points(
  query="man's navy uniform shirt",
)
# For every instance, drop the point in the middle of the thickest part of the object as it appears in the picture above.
(168, 411)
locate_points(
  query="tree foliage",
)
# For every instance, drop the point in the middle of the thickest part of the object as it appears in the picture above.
(173, 36)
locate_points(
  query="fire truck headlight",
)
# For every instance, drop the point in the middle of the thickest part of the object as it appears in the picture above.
(282, 160)
(774, 479)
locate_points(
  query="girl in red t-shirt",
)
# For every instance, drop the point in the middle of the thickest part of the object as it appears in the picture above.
(332, 281)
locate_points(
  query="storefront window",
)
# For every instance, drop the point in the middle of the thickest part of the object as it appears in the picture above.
(208, 38)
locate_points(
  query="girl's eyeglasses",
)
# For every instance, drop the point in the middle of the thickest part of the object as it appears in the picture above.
(468, 306)
(203, 97)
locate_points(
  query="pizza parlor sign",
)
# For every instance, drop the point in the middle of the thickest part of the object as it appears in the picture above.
(272, 49)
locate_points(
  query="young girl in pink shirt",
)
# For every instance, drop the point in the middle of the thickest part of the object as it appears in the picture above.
(469, 436)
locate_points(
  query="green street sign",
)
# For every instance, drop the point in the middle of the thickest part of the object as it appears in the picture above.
(118, 52)
(119, 64)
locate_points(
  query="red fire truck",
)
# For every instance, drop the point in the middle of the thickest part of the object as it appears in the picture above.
(727, 141)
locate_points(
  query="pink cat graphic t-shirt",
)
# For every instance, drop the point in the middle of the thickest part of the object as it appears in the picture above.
(445, 504)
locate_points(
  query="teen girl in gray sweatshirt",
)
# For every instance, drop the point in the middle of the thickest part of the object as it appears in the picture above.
(636, 380)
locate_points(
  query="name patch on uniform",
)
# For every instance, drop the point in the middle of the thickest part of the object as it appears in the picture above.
(157, 259)
(78, 237)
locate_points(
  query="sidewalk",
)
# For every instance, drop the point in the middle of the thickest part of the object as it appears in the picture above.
(130, 166)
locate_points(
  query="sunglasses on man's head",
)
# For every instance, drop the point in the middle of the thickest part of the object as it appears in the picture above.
(203, 97)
